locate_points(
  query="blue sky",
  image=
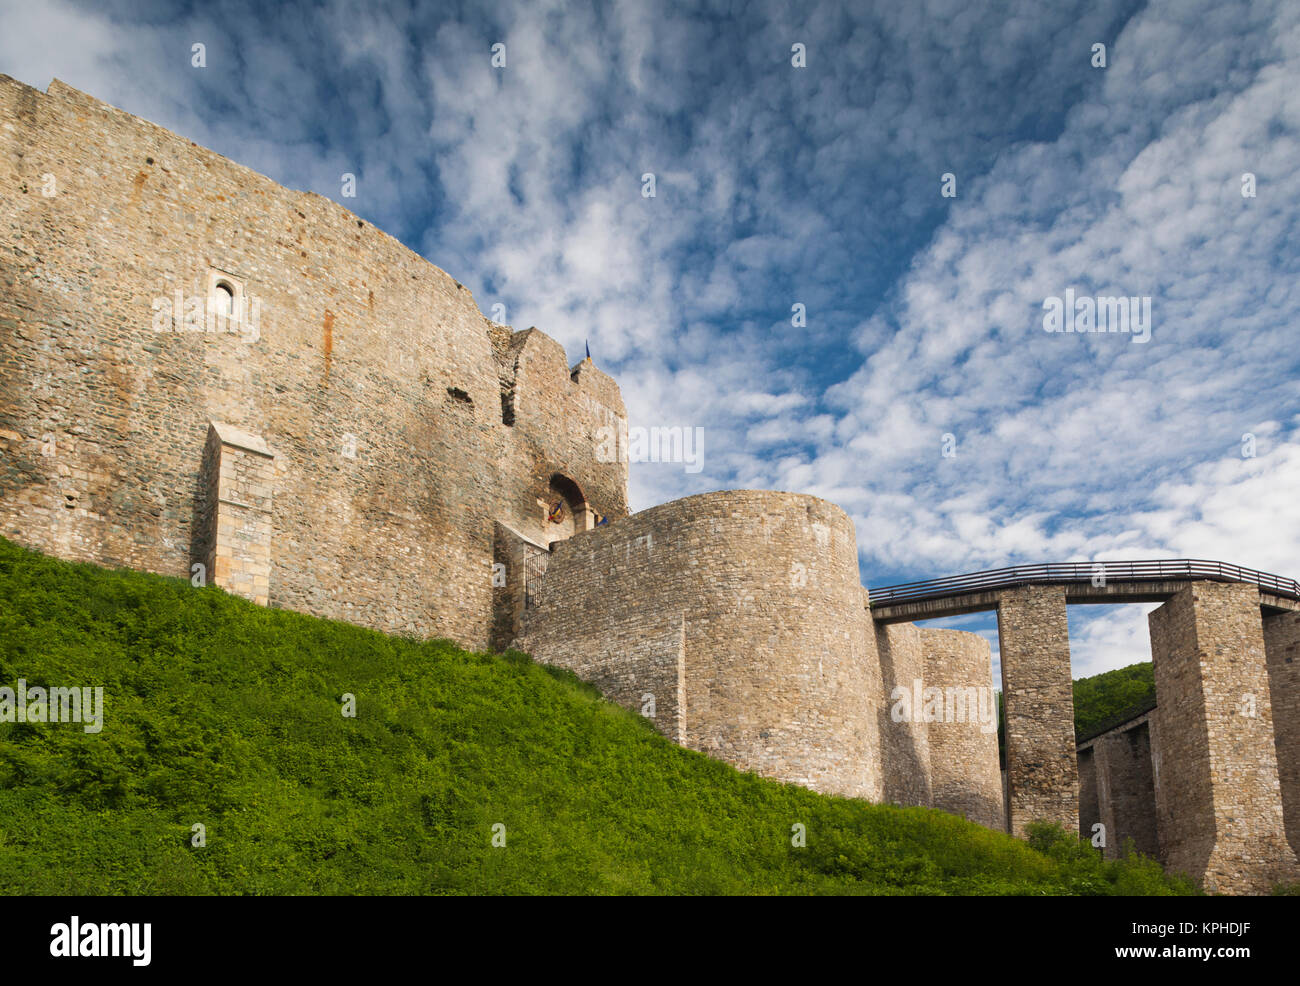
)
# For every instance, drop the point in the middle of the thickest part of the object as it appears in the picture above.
(821, 186)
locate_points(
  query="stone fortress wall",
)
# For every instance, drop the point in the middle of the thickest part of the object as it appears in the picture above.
(199, 367)
(397, 426)
(742, 617)
(1206, 781)
(724, 602)
(365, 445)
(963, 762)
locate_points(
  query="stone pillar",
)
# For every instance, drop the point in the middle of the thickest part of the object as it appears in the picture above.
(1218, 798)
(963, 743)
(1125, 791)
(235, 543)
(1038, 704)
(1282, 652)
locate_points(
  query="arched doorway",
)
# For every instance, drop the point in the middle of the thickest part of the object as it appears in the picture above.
(567, 510)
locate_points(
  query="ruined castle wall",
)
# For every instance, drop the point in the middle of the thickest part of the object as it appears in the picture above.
(1181, 756)
(368, 373)
(904, 733)
(745, 605)
(1219, 807)
(965, 777)
(1126, 790)
(510, 557)
(1117, 788)
(1282, 651)
(1089, 808)
(558, 416)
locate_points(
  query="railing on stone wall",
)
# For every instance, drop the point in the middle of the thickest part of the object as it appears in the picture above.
(1087, 571)
(1118, 719)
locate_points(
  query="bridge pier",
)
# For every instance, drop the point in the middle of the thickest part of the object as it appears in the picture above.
(1038, 707)
(1218, 798)
(1282, 650)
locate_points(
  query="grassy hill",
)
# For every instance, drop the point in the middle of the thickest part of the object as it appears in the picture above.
(1112, 697)
(228, 715)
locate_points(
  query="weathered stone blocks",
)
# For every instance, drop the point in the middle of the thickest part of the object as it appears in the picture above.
(740, 614)
(1282, 652)
(1116, 789)
(1218, 797)
(965, 777)
(237, 516)
(405, 425)
(904, 741)
(1038, 703)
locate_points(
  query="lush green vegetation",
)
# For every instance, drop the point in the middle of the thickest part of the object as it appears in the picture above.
(1102, 700)
(1112, 697)
(221, 713)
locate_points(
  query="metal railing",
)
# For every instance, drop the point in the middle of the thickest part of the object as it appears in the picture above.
(1118, 719)
(1085, 571)
(535, 562)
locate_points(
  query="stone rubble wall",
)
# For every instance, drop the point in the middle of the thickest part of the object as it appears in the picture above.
(1038, 697)
(1282, 652)
(904, 739)
(370, 375)
(965, 777)
(741, 613)
(1117, 789)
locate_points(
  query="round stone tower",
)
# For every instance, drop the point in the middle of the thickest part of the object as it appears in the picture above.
(736, 620)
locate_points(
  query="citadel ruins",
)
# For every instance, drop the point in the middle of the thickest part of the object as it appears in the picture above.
(206, 375)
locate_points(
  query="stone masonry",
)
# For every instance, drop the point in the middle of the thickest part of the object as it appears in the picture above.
(404, 424)
(1282, 651)
(1218, 798)
(204, 372)
(1116, 789)
(1038, 701)
(904, 741)
(743, 601)
(750, 640)
(963, 746)
(238, 476)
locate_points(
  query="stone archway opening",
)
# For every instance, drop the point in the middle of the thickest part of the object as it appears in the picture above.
(567, 510)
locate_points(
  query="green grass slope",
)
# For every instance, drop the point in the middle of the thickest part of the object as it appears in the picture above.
(225, 714)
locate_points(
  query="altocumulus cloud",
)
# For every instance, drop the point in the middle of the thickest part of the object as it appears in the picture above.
(820, 186)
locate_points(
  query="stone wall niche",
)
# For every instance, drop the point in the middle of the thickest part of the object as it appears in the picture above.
(235, 523)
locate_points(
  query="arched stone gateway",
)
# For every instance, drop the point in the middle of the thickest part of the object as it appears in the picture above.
(567, 510)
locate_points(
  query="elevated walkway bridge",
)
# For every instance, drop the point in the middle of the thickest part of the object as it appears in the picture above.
(1084, 582)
